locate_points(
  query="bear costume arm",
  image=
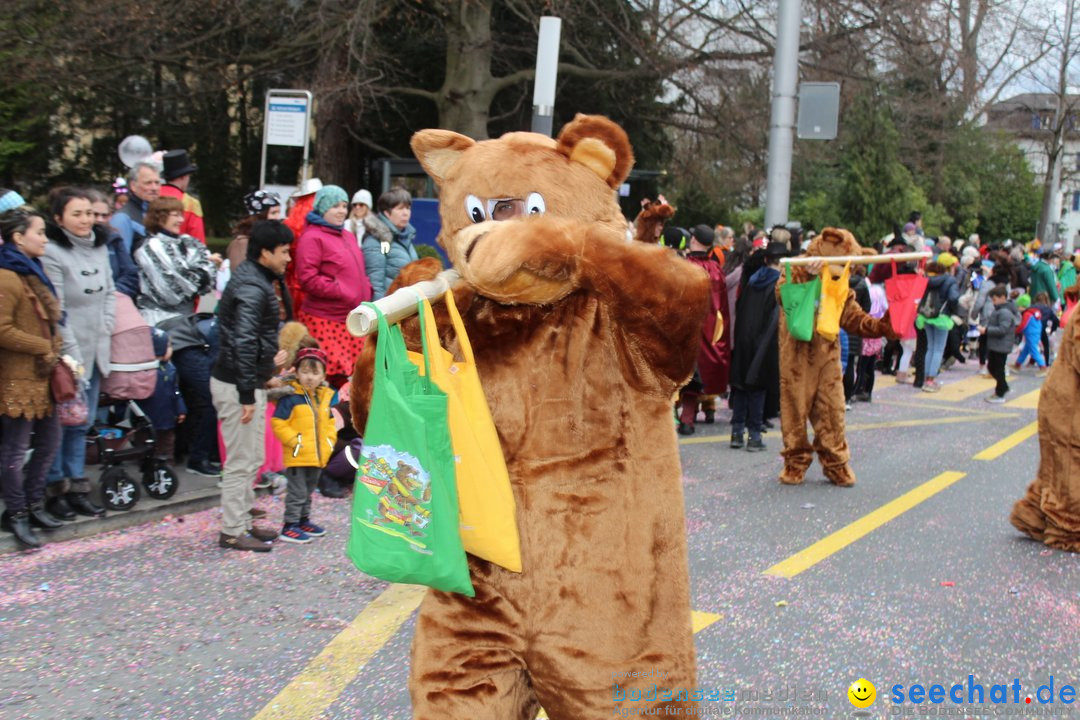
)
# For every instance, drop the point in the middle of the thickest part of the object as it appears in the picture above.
(857, 321)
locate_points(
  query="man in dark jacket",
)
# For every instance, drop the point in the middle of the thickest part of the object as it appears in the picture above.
(249, 314)
(755, 357)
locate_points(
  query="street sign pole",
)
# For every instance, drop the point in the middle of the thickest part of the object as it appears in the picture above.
(782, 124)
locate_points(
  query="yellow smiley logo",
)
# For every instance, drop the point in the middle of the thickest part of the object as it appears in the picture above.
(862, 693)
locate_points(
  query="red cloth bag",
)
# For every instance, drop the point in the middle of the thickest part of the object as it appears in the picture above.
(904, 293)
(1070, 305)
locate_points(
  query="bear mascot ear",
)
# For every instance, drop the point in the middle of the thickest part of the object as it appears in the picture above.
(600, 145)
(837, 241)
(438, 150)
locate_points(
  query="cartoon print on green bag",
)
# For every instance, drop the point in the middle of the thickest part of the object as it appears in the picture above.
(404, 491)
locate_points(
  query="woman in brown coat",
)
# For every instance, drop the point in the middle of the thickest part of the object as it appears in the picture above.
(29, 347)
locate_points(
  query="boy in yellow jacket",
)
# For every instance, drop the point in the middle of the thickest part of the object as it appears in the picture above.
(305, 427)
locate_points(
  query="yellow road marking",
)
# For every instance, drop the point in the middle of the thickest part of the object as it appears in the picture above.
(845, 536)
(702, 620)
(927, 404)
(1003, 446)
(919, 422)
(328, 674)
(962, 390)
(1029, 401)
(914, 422)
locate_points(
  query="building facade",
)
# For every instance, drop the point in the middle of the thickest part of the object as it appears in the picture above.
(1032, 120)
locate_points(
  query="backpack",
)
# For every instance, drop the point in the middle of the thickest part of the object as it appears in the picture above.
(132, 363)
(930, 305)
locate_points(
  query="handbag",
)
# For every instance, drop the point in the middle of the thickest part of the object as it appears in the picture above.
(62, 383)
(405, 508)
(904, 293)
(800, 301)
(73, 411)
(488, 514)
(834, 295)
(1070, 306)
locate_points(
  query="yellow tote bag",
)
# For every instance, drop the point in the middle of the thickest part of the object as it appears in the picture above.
(488, 516)
(834, 294)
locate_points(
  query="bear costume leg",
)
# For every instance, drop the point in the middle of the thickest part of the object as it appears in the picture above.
(481, 679)
(473, 662)
(827, 419)
(796, 399)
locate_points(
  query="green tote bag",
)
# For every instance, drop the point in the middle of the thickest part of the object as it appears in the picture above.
(405, 507)
(799, 301)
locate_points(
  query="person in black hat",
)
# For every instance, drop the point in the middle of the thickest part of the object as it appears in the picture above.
(755, 358)
(177, 173)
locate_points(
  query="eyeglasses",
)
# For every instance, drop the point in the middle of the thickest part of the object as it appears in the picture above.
(101, 216)
(176, 213)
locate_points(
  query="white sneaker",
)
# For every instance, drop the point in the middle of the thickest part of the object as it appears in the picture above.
(996, 399)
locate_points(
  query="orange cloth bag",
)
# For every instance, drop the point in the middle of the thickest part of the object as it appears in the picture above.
(834, 294)
(488, 513)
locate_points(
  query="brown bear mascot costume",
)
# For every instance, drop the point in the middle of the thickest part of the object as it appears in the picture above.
(811, 384)
(1050, 510)
(581, 339)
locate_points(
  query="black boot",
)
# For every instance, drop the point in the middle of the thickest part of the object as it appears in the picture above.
(56, 503)
(42, 518)
(18, 524)
(81, 503)
(58, 507)
(329, 487)
(79, 499)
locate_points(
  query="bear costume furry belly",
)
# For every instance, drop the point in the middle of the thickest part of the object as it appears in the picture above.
(811, 382)
(581, 338)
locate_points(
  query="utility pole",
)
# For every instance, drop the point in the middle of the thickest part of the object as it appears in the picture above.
(782, 123)
(547, 68)
(1050, 217)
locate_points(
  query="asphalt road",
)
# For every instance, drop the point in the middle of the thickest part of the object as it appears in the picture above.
(913, 576)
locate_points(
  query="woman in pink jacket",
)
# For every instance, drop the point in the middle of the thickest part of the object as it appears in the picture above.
(330, 271)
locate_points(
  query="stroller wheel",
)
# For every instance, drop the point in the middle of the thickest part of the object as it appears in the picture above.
(118, 491)
(160, 482)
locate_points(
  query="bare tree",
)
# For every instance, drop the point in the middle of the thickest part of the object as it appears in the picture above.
(1062, 121)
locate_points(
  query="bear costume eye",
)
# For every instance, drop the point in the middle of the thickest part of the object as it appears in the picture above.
(475, 209)
(534, 204)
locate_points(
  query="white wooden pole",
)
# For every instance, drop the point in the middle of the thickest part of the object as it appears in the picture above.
(400, 304)
(857, 259)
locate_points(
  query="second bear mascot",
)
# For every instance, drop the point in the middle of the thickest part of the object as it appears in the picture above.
(811, 383)
(1050, 509)
(581, 339)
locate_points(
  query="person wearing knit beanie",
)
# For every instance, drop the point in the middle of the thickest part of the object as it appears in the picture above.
(9, 200)
(329, 196)
(333, 280)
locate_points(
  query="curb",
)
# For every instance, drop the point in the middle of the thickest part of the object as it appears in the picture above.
(143, 513)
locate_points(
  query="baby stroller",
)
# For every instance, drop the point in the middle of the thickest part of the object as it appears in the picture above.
(131, 438)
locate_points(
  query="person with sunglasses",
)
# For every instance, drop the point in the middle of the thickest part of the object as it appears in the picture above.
(125, 272)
